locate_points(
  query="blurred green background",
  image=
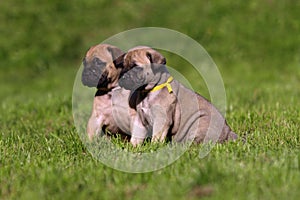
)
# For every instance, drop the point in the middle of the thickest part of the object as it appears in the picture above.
(35, 36)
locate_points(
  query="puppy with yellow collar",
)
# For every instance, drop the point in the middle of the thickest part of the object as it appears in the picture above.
(164, 106)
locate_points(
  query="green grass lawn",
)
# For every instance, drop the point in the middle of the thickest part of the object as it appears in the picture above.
(256, 47)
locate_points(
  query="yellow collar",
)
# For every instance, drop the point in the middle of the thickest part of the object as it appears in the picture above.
(166, 84)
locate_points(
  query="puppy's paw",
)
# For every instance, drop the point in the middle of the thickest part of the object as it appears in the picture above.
(136, 141)
(232, 136)
(157, 139)
(90, 136)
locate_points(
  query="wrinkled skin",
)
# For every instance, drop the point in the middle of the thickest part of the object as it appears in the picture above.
(182, 113)
(99, 61)
(99, 71)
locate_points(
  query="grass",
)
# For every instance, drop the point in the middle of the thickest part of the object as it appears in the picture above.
(256, 47)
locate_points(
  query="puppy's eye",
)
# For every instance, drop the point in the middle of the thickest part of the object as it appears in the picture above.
(134, 65)
(149, 57)
(139, 69)
(97, 62)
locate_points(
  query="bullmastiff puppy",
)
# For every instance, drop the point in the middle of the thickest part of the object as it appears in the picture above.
(164, 106)
(100, 72)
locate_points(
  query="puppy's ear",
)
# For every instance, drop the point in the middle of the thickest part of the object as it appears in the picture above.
(115, 52)
(118, 62)
(155, 57)
(103, 80)
(84, 59)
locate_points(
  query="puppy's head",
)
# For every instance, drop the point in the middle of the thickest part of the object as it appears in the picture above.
(99, 70)
(142, 67)
(142, 55)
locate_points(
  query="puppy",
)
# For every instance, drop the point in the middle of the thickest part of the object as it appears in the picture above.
(164, 106)
(99, 71)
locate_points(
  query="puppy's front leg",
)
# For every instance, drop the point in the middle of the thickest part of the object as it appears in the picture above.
(161, 123)
(94, 126)
(161, 126)
(160, 132)
(138, 132)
